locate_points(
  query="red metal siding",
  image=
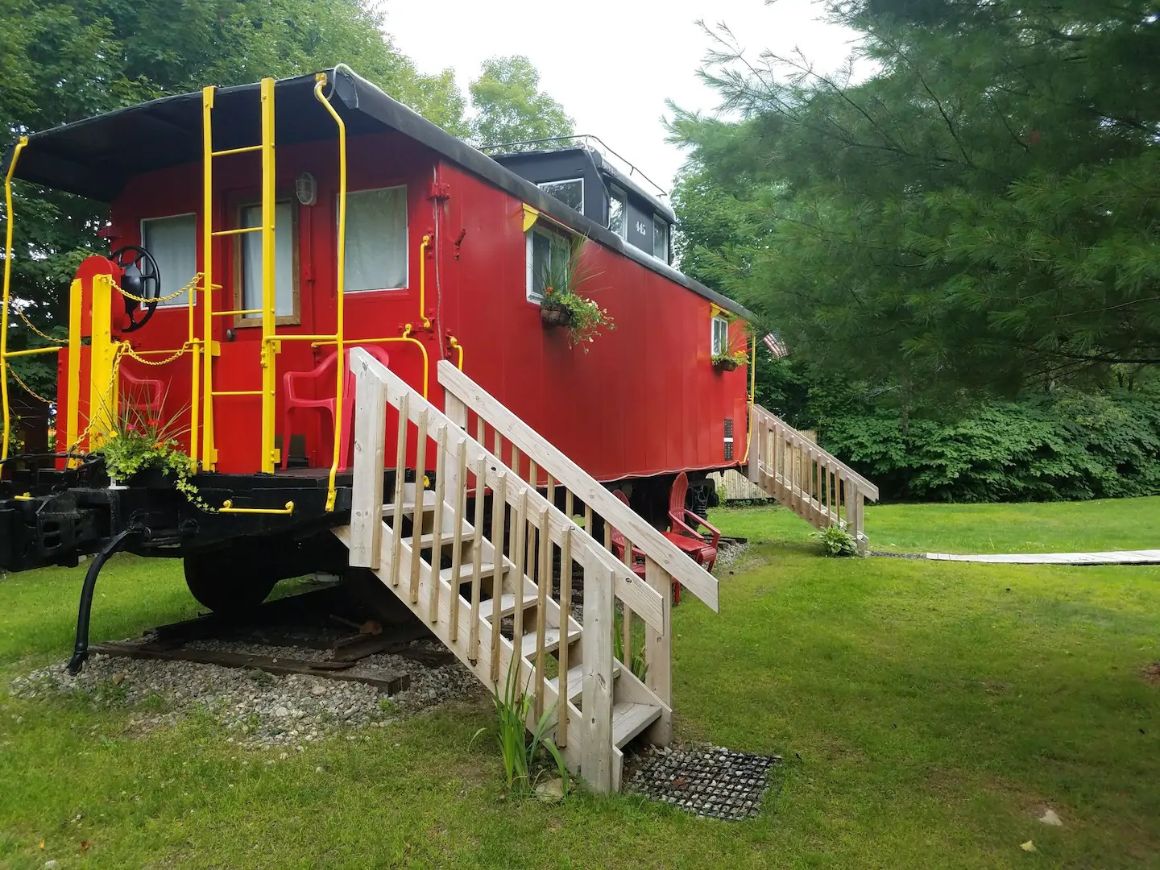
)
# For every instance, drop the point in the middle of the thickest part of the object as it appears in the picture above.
(642, 400)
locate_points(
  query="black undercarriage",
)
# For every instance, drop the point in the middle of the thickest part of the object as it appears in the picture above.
(50, 516)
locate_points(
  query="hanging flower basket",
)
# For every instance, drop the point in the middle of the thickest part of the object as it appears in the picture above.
(553, 315)
(725, 365)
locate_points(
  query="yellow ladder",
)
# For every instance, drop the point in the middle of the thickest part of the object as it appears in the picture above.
(271, 341)
(269, 345)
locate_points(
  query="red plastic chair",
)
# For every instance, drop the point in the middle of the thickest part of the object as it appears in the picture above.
(143, 395)
(685, 527)
(295, 383)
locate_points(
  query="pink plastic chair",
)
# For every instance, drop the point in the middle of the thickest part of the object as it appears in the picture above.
(638, 558)
(143, 395)
(296, 383)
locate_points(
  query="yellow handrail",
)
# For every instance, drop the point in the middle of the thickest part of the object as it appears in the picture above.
(21, 144)
(752, 396)
(269, 350)
(405, 337)
(455, 345)
(340, 288)
(423, 245)
(228, 508)
(208, 459)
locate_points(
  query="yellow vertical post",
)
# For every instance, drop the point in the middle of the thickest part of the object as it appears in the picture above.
(8, 219)
(194, 373)
(102, 364)
(340, 368)
(72, 419)
(208, 451)
(269, 284)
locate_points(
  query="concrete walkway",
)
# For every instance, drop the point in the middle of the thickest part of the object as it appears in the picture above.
(1111, 557)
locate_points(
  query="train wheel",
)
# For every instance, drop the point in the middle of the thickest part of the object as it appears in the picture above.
(227, 582)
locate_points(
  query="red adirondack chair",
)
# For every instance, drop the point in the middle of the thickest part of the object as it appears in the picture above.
(685, 527)
(618, 542)
(323, 373)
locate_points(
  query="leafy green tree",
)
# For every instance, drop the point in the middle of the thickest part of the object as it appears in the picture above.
(63, 60)
(972, 205)
(510, 107)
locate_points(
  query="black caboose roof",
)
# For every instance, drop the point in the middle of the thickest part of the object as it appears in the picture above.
(96, 157)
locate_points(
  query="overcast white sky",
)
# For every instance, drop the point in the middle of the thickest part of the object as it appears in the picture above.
(611, 63)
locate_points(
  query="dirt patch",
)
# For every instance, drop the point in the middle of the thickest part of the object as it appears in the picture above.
(1151, 674)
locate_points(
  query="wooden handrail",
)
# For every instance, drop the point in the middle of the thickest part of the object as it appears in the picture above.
(644, 601)
(800, 440)
(585, 487)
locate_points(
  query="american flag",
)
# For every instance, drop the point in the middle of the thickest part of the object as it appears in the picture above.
(776, 345)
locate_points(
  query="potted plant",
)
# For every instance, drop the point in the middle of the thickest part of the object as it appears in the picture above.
(729, 360)
(564, 306)
(140, 448)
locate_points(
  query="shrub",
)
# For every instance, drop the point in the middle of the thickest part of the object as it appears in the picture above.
(1065, 445)
(836, 541)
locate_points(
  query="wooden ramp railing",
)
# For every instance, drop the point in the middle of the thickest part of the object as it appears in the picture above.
(490, 563)
(800, 475)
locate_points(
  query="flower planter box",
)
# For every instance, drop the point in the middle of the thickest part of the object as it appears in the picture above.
(725, 365)
(555, 315)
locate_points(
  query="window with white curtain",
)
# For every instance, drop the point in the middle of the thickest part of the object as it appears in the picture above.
(376, 240)
(173, 243)
(251, 260)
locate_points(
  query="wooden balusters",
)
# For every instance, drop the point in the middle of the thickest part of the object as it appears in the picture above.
(543, 588)
(565, 618)
(437, 521)
(417, 512)
(498, 510)
(477, 561)
(460, 495)
(400, 490)
(519, 528)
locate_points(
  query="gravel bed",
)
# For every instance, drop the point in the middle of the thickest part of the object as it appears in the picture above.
(258, 709)
(709, 781)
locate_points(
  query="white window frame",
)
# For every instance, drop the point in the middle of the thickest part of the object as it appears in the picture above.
(251, 320)
(713, 323)
(615, 192)
(553, 238)
(657, 222)
(181, 300)
(406, 234)
(541, 184)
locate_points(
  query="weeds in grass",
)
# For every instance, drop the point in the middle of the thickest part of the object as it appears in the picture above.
(519, 750)
(638, 665)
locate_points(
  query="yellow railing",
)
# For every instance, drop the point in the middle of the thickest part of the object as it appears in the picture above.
(20, 146)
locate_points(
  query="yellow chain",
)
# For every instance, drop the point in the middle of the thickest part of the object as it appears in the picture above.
(27, 388)
(112, 381)
(161, 362)
(193, 284)
(20, 313)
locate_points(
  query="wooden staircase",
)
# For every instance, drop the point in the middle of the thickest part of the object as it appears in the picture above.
(803, 477)
(489, 556)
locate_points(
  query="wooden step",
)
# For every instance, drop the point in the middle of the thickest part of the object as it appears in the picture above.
(409, 502)
(465, 572)
(551, 640)
(629, 719)
(576, 680)
(507, 604)
(447, 536)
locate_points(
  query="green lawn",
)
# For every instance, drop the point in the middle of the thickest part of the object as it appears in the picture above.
(927, 713)
(1052, 527)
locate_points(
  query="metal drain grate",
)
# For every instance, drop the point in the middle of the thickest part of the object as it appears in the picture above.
(708, 781)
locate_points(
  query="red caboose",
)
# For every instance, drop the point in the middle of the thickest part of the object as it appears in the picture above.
(337, 338)
(446, 257)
